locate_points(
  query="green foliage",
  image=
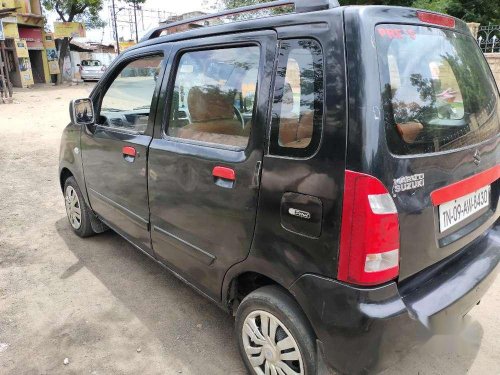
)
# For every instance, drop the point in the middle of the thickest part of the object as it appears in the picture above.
(482, 11)
(137, 3)
(86, 11)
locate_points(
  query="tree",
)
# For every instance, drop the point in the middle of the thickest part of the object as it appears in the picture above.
(85, 11)
(482, 11)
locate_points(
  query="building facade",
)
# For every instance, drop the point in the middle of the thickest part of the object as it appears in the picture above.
(27, 44)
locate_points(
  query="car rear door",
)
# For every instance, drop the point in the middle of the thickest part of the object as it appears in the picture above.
(430, 128)
(114, 150)
(206, 155)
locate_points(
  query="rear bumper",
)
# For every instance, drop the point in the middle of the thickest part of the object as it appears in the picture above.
(96, 76)
(363, 329)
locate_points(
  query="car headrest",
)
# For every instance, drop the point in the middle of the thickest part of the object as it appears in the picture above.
(287, 101)
(209, 103)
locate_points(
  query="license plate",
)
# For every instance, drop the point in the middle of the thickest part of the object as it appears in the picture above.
(453, 212)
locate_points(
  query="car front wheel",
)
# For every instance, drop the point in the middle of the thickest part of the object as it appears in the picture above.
(76, 209)
(274, 335)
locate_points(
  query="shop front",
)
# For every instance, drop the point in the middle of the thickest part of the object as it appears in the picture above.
(37, 64)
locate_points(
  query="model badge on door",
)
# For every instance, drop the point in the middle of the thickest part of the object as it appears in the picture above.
(299, 213)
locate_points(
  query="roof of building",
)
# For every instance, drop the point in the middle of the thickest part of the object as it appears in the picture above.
(86, 46)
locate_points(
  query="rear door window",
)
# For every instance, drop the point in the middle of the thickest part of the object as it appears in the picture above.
(437, 90)
(214, 96)
(297, 112)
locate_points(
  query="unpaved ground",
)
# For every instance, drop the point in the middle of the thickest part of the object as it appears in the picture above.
(108, 308)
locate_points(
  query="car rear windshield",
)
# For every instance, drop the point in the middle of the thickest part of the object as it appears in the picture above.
(437, 89)
(91, 63)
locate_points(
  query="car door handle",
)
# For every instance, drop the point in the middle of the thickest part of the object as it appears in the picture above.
(224, 177)
(129, 153)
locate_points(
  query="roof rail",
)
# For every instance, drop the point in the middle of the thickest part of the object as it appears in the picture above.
(300, 6)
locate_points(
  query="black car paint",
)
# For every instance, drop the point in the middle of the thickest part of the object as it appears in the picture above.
(362, 329)
(117, 186)
(418, 218)
(358, 329)
(70, 161)
(191, 215)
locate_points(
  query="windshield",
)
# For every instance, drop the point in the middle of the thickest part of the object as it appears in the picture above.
(91, 63)
(437, 89)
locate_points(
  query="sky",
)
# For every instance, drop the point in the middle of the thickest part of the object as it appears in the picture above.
(150, 20)
(179, 6)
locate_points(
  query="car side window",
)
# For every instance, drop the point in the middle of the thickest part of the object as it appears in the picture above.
(126, 103)
(213, 98)
(297, 112)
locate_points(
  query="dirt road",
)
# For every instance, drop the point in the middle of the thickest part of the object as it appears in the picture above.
(108, 308)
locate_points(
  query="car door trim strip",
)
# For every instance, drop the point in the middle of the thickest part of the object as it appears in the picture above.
(139, 220)
(185, 246)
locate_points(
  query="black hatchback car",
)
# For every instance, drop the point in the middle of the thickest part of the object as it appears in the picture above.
(329, 175)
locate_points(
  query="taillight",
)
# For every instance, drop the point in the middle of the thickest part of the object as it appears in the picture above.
(369, 239)
(436, 19)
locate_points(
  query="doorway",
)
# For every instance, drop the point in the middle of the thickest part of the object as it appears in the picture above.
(37, 66)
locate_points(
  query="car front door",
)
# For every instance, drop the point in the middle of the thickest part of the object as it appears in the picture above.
(205, 159)
(114, 149)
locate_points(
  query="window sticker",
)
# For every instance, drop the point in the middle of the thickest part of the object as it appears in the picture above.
(397, 33)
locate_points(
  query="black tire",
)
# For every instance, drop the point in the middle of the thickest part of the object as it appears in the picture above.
(85, 228)
(276, 301)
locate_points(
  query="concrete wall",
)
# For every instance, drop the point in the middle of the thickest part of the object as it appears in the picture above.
(494, 61)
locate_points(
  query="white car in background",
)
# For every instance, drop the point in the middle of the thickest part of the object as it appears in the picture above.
(91, 69)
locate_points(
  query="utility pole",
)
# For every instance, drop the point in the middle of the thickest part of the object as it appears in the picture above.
(135, 22)
(116, 28)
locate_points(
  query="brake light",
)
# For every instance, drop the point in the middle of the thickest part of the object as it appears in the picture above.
(369, 239)
(436, 19)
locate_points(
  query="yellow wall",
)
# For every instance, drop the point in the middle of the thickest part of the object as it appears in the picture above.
(22, 54)
(46, 73)
(11, 30)
(8, 4)
(23, 6)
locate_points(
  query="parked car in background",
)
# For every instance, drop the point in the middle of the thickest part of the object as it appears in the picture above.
(91, 70)
(330, 177)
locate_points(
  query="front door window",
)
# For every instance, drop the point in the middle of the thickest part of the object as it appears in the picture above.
(126, 104)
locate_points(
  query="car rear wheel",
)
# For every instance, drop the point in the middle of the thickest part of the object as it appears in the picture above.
(274, 335)
(76, 209)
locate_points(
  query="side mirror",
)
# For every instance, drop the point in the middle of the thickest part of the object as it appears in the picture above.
(81, 111)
